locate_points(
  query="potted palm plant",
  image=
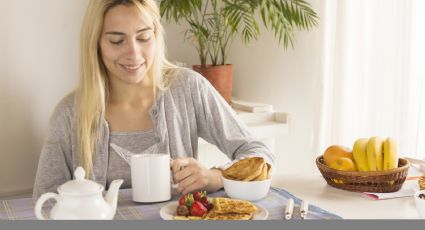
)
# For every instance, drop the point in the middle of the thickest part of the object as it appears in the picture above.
(214, 24)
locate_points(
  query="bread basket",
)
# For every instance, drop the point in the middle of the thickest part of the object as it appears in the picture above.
(381, 181)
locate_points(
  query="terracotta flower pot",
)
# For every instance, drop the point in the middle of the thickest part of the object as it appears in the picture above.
(220, 76)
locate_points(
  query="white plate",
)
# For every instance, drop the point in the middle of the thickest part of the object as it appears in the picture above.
(169, 211)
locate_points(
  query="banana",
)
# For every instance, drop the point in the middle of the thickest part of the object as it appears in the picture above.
(390, 154)
(359, 154)
(375, 153)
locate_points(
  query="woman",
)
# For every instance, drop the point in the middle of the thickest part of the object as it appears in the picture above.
(130, 95)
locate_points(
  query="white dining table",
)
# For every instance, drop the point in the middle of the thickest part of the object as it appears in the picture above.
(348, 205)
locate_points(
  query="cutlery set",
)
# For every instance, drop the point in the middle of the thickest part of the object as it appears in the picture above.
(289, 209)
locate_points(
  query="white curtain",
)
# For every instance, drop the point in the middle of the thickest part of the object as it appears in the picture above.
(374, 75)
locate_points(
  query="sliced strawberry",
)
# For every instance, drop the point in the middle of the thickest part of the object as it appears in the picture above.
(198, 209)
(204, 201)
(198, 195)
(210, 206)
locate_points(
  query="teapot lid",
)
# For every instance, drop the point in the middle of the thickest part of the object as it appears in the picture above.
(80, 186)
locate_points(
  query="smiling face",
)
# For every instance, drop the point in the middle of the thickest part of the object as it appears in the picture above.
(127, 44)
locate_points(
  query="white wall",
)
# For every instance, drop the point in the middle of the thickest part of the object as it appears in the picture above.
(289, 80)
(38, 65)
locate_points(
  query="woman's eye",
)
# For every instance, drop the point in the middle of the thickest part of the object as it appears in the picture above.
(144, 39)
(117, 42)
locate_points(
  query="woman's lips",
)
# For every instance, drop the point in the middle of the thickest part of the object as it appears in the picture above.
(131, 68)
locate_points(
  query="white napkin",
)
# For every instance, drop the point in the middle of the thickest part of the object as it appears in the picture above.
(410, 186)
(408, 189)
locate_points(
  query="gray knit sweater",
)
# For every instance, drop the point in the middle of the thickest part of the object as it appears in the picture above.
(189, 109)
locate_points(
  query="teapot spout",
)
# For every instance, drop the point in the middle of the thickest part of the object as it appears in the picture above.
(112, 195)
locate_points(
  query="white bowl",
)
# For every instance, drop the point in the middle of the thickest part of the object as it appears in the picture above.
(247, 190)
(420, 203)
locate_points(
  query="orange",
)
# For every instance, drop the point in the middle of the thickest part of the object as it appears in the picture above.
(335, 151)
(343, 163)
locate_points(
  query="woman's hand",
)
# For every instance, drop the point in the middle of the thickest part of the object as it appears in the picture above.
(190, 176)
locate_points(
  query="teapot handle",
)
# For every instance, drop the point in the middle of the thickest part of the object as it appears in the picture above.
(41, 201)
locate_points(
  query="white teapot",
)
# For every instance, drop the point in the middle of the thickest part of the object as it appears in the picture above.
(81, 199)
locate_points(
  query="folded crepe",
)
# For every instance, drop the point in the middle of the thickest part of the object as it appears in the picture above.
(245, 169)
(248, 169)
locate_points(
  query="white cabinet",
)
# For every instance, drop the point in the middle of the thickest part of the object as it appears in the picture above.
(266, 126)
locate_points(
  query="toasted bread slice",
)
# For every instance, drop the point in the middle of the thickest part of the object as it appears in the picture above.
(263, 174)
(245, 170)
(269, 170)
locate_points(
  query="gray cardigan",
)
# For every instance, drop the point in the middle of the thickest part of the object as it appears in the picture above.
(189, 109)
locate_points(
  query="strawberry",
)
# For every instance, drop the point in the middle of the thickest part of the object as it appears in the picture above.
(189, 200)
(210, 206)
(182, 200)
(198, 209)
(182, 210)
(186, 200)
(199, 195)
(204, 201)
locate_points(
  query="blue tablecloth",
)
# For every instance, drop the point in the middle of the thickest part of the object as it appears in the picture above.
(275, 202)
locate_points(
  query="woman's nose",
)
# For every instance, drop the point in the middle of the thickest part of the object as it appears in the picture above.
(133, 50)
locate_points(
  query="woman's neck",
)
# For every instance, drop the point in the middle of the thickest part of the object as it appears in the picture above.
(131, 94)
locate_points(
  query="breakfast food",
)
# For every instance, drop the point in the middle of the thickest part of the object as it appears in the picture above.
(421, 182)
(336, 151)
(226, 205)
(220, 209)
(343, 163)
(228, 216)
(231, 209)
(390, 154)
(369, 154)
(359, 154)
(374, 154)
(264, 172)
(194, 204)
(248, 169)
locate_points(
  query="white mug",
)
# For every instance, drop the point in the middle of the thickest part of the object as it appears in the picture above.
(150, 177)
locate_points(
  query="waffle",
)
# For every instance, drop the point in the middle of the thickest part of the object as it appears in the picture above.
(226, 205)
(212, 215)
(246, 169)
(421, 182)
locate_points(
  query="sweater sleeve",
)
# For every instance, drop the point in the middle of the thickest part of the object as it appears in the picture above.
(218, 124)
(54, 166)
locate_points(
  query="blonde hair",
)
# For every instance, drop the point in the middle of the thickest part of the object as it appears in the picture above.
(93, 89)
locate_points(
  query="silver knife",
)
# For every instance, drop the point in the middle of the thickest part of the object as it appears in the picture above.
(304, 209)
(289, 208)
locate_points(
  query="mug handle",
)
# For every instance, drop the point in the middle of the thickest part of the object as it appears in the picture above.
(173, 185)
(40, 202)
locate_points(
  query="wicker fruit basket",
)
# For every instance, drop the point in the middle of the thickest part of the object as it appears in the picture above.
(382, 181)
